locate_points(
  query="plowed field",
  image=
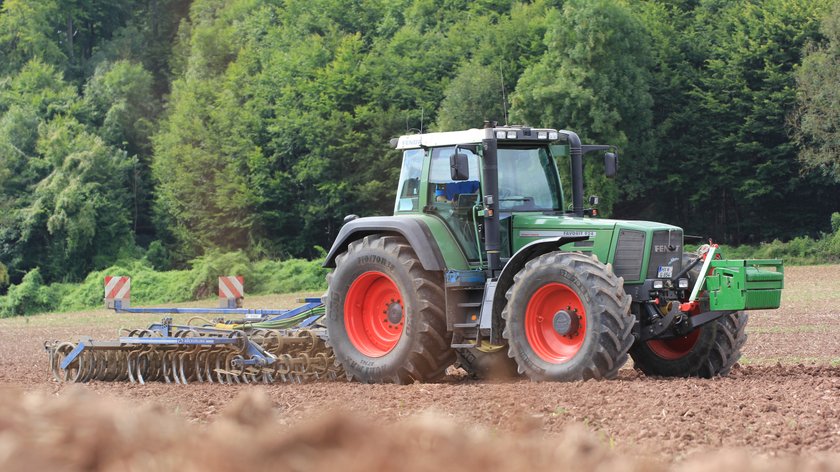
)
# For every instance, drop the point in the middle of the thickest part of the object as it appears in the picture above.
(782, 400)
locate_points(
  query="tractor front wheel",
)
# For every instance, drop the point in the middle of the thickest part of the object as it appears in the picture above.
(385, 314)
(567, 318)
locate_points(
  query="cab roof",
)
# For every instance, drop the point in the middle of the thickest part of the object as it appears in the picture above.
(475, 136)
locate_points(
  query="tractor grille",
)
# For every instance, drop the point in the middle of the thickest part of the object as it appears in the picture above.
(666, 250)
(629, 254)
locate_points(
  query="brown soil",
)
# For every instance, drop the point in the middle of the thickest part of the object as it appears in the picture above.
(782, 401)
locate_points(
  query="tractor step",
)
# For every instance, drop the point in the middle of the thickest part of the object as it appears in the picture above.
(463, 346)
(470, 305)
(473, 324)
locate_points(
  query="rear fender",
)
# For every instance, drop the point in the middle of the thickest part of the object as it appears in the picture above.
(416, 232)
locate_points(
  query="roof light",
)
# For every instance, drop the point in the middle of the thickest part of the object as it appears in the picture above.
(511, 134)
(500, 135)
(542, 135)
(553, 135)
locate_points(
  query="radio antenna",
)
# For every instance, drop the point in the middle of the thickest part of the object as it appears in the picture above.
(421, 120)
(504, 98)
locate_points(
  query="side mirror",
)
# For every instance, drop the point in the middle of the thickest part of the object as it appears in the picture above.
(610, 164)
(593, 200)
(459, 167)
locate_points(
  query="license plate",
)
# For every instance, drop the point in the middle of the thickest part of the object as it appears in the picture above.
(665, 272)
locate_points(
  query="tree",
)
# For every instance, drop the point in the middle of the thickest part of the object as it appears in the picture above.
(817, 119)
(747, 183)
(27, 31)
(594, 79)
(78, 219)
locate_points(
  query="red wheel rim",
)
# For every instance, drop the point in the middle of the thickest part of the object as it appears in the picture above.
(674, 348)
(374, 315)
(546, 342)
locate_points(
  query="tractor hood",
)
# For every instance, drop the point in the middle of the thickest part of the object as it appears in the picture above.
(637, 240)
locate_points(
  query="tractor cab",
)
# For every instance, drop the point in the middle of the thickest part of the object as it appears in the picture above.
(446, 175)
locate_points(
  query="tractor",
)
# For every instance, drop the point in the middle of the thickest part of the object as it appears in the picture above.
(483, 264)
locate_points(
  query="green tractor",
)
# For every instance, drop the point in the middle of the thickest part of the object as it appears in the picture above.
(483, 264)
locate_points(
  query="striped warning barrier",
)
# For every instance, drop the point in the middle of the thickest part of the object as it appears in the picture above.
(117, 288)
(231, 291)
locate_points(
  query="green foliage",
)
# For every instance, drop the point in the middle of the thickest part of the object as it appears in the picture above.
(291, 275)
(817, 119)
(207, 269)
(30, 296)
(158, 256)
(27, 31)
(744, 181)
(79, 208)
(473, 96)
(118, 97)
(4, 277)
(152, 287)
(798, 251)
(594, 77)
(278, 116)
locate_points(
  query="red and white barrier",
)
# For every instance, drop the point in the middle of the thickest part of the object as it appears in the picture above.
(117, 288)
(231, 291)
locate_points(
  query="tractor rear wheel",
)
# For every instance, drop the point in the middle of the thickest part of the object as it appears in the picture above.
(385, 314)
(567, 318)
(710, 350)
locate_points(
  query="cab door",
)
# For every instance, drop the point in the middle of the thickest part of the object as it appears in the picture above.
(457, 202)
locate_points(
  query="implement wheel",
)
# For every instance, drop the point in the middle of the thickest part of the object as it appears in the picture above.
(567, 318)
(710, 350)
(385, 314)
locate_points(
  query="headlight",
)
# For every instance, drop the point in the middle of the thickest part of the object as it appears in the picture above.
(511, 134)
(542, 135)
(500, 135)
(658, 284)
(682, 283)
(553, 135)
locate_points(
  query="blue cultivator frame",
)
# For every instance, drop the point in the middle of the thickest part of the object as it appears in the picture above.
(250, 314)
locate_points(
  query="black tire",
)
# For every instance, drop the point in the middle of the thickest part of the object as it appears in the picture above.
(488, 364)
(422, 351)
(603, 330)
(714, 352)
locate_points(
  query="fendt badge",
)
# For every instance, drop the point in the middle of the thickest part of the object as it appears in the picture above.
(664, 248)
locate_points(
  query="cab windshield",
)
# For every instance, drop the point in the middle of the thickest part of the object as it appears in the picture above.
(528, 180)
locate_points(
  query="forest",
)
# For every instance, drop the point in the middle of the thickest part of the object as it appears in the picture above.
(166, 130)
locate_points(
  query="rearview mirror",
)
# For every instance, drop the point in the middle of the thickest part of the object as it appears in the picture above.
(610, 164)
(459, 167)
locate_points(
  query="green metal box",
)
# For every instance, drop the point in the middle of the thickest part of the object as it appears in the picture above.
(745, 284)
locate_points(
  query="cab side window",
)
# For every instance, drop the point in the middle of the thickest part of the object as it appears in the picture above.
(442, 189)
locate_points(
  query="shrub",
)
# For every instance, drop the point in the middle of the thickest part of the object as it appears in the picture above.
(4, 277)
(158, 256)
(30, 296)
(293, 275)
